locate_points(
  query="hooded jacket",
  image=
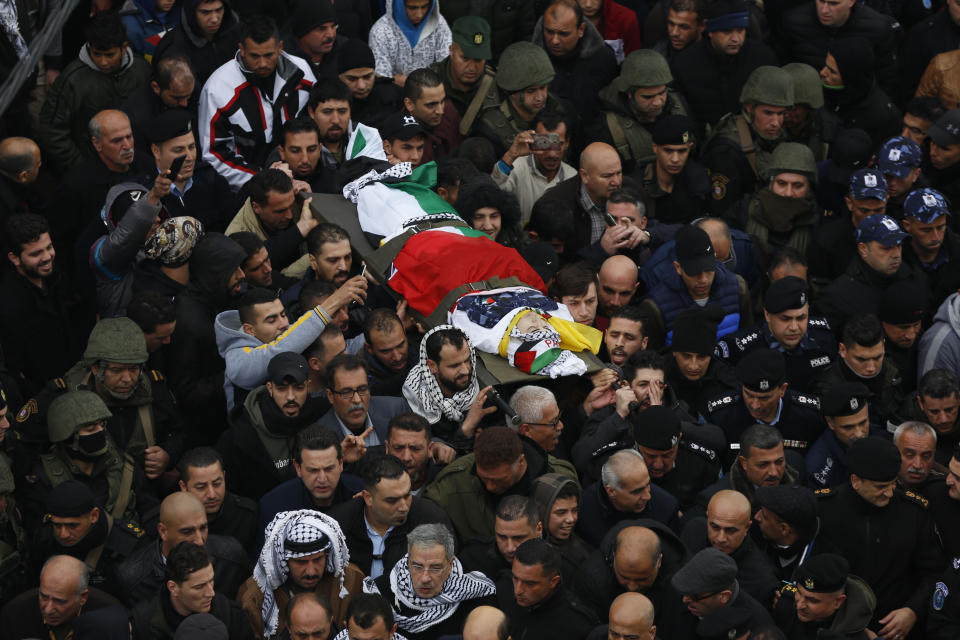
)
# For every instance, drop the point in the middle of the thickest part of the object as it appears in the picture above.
(79, 93)
(573, 550)
(393, 50)
(287, 248)
(187, 38)
(247, 357)
(597, 584)
(145, 25)
(940, 344)
(582, 73)
(238, 120)
(194, 364)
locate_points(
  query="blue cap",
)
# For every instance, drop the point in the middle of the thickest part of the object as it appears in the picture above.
(926, 205)
(880, 228)
(868, 183)
(899, 156)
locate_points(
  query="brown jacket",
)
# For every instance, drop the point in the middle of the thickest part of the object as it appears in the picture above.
(942, 79)
(251, 598)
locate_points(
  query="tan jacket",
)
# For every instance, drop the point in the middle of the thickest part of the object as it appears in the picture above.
(527, 183)
(250, 598)
(246, 220)
(942, 79)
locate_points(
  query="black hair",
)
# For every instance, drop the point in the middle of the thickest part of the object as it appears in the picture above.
(315, 438)
(329, 89)
(552, 118)
(253, 297)
(259, 186)
(479, 152)
(149, 308)
(366, 608)
(184, 559)
(198, 457)
(539, 552)
(451, 171)
(786, 256)
(105, 32)
(939, 384)
(573, 6)
(347, 362)
(863, 329)
(297, 125)
(513, 508)
(374, 471)
(552, 220)
(925, 107)
(680, 6)
(23, 228)
(417, 80)
(629, 196)
(481, 191)
(382, 320)
(260, 29)
(759, 436)
(315, 291)
(311, 596)
(574, 280)
(643, 359)
(632, 313)
(322, 234)
(249, 242)
(454, 337)
(409, 421)
(317, 348)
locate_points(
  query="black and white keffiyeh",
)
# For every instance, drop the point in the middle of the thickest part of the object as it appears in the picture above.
(422, 391)
(345, 635)
(458, 588)
(295, 534)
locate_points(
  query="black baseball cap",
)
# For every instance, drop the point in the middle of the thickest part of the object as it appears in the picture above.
(401, 126)
(287, 365)
(694, 250)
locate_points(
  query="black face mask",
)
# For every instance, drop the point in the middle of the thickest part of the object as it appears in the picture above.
(94, 444)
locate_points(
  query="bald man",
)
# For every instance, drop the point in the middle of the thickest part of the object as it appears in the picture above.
(183, 518)
(619, 280)
(726, 529)
(586, 194)
(49, 611)
(19, 160)
(631, 616)
(630, 559)
(486, 623)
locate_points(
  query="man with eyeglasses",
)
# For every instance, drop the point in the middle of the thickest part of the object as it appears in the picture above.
(430, 592)
(540, 423)
(143, 420)
(354, 411)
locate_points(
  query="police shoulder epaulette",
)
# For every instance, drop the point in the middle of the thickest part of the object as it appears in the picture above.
(156, 375)
(722, 401)
(133, 530)
(58, 384)
(788, 589)
(805, 400)
(608, 448)
(744, 341)
(917, 498)
(28, 410)
(699, 449)
(823, 493)
(819, 323)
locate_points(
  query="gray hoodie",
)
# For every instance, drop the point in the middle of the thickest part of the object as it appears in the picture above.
(940, 344)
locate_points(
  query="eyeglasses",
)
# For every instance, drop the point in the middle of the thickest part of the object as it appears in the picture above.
(433, 570)
(552, 425)
(348, 393)
(694, 598)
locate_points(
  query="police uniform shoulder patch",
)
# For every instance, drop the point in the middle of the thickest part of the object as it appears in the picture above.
(722, 350)
(788, 589)
(722, 401)
(718, 186)
(956, 563)
(917, 498)
(804, 400)
(746, 340)
(819, 323)
(823, 493)
(699, 449)
(940, 594)
(156, 375)
(28, 410)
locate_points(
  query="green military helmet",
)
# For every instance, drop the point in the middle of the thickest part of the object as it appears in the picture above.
(807, 84)
(768, 85)
(6, 476)
(643, 68)
(522, 65)
(793, 157)
(117, 340)
(73, 410)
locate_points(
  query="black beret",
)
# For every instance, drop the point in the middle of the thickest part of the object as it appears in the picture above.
(170, 124)
(673, 129)
(695, 329)
(709, 571)
(903, 303)
(762, 370)
(731, 621)
(823, 573)
(310, 14)
(795, 505)
(874, 458)
(844, 399)
(70, 499)
(786, 293)
(656, 427)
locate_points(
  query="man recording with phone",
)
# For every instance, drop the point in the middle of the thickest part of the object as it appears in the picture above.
(197, 189)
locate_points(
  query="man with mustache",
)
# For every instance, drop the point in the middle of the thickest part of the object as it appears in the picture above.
(468, 81)
(387, 352)
(330, 107)
(624, 335)
(917, 443)
(300, 149)
(315, 37)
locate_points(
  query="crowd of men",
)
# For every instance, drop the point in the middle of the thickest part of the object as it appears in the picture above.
(215, 423)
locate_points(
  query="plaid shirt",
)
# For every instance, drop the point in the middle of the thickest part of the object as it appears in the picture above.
(597, 224)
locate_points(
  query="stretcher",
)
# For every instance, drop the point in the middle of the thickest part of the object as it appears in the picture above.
(492, 369)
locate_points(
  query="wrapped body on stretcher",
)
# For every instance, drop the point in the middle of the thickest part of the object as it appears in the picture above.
(533, 332)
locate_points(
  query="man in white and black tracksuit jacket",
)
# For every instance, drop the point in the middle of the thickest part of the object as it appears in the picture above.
(248, 98)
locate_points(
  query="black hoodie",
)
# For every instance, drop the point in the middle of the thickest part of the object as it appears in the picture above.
(205, 55)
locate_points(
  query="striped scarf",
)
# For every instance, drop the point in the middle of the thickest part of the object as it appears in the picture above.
(458, 588)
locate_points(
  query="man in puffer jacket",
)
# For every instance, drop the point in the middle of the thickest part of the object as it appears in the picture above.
(147, 21)
(410, 35)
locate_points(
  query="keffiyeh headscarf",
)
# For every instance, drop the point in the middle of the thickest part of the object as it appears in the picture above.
(422, 391)
(295, 534)
(458, 588)
(173, 241)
